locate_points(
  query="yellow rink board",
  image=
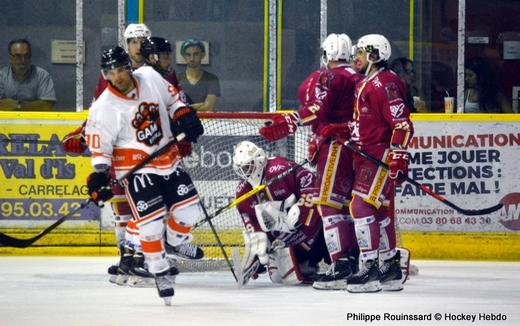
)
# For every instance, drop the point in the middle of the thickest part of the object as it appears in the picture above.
(423, 245)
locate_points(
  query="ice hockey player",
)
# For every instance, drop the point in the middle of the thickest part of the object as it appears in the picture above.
(135, 116)
(283, 230)
(156, 52)
(381, 127)
(327, 100)
(74, 143)
(131, 270)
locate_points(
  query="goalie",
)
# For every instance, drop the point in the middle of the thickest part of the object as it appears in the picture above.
(284, 233)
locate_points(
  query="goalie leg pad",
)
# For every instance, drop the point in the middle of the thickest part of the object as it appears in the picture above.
(284, 268)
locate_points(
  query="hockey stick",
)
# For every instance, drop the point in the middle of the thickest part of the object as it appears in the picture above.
(219, 242)
(24, 243)
(252, 192)
(469, 212)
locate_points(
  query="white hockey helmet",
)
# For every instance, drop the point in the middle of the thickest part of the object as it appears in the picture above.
(375, 44)
(336, 47)
(135, 31)
(249, 162)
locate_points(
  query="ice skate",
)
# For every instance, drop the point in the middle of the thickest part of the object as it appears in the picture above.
(185, 251)
(165, 286)
(391, 276)
(336, 277)
(112, 271)
(366, 279)
(139, 275)
(123, 270)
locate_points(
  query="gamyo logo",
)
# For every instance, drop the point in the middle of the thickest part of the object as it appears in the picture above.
(510, 213)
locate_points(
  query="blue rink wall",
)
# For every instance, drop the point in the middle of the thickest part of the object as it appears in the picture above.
(469, 159)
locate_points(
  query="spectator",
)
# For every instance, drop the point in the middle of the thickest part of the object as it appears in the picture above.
(403, 67)
(201, 87)
(481, 94)
(24, 86)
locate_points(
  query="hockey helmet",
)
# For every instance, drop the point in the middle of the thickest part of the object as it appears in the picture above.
(154, 45)
(375, 44)
(336, 47)
(249, 162)
(114, 58)
(135, 31)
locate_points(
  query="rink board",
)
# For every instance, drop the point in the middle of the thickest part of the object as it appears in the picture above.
(470, 159)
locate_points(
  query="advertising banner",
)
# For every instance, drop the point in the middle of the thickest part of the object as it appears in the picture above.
(473, 165)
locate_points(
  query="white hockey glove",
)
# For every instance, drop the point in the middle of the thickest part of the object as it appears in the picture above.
(280, 216)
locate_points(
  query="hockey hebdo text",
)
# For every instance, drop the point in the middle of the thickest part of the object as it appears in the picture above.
(419, 317)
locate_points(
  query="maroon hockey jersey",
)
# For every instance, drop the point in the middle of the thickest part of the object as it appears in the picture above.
(299, 183)
(381, 115)
(327, 95)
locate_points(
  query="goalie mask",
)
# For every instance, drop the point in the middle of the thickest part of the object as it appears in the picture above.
(336, 47)
(249, 162)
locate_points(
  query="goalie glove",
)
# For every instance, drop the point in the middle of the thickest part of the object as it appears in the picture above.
(280, 127)
(185, 121)
(280, 216)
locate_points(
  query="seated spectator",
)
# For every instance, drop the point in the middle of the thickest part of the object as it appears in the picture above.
(23, 86)
(403, 67)
(201, 87)
(481, 94)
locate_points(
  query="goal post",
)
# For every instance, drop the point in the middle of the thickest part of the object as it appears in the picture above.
(211, 168)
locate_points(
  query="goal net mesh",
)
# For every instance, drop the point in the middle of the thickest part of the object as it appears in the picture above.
(211, 168)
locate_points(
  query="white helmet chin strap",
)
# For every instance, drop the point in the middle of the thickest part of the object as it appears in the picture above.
(370, 63)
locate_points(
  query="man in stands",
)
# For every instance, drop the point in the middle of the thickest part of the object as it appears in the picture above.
(284, 231)
(327, 100)
(139, 113)
(381, 127)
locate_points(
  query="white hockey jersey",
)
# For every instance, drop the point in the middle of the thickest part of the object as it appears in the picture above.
(122, 131)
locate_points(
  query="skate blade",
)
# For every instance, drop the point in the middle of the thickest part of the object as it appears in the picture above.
(112, 279)
(337, 285)
(167, 301)
(140, 282)
(395, 285)
(121, 280)
(369, 287)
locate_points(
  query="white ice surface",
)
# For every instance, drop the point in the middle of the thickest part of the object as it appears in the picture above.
(75, 291)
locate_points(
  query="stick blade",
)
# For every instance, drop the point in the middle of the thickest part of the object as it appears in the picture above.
(13, 242)
(484, 211)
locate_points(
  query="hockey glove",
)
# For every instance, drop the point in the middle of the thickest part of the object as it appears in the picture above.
(99, 187)
(339, 131)
(281, 126)
(74, 142)
(184, 148)
(312, 151)
(185, 121)
(397, 164)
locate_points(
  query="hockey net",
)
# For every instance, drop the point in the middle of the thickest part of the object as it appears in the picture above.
(211, 168)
